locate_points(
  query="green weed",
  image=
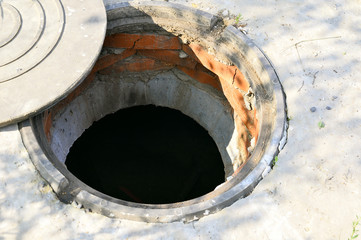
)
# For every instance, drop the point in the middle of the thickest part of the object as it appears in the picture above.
(321, 124)
(274, 161)
(355, 233)
(238, 18)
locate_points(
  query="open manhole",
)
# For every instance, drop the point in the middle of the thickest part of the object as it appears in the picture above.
(147, 154)
(161, 61)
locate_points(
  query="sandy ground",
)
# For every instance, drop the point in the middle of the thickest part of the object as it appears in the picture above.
(312, 193)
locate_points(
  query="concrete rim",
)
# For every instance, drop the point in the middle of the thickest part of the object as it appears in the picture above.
(272, 121)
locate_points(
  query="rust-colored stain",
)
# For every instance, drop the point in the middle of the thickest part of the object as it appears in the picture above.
(47, 124)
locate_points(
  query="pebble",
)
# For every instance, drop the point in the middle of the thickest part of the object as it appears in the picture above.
(225, 13)
(328, 108)
(182, 54)
(313, 109)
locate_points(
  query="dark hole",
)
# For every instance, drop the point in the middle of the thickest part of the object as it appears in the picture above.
(147, 154)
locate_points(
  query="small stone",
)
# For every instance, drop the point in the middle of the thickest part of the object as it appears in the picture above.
(225, 13)
(313, 109)
(328, 108)
(182, 54)
(334, 98)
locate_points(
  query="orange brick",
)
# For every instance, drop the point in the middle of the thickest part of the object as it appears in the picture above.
(190, 52)
(228, 73)
(108, 60)
(236, 100)
(230, 77)
(137, 64)
(201, 68)
(245, 115)
(142, 41)
(202, 77)
(169, 56)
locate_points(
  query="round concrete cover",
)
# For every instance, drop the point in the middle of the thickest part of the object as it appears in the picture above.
(47, 47)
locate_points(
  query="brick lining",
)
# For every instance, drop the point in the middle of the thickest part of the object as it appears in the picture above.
(146, 52)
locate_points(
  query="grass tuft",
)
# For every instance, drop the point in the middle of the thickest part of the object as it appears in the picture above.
(355, 231)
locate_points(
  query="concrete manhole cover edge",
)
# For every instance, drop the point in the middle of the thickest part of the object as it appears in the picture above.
(49, 48)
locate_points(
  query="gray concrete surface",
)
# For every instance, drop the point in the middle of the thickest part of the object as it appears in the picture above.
(314, 190)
